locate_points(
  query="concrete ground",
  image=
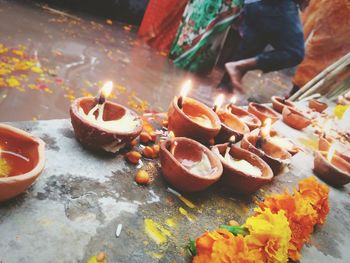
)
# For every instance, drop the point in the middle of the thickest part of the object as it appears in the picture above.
(48, 58)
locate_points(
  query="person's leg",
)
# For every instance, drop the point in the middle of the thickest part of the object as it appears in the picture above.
(252, 43)
(285, 34)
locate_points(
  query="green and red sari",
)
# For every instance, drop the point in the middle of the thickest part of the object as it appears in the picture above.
(198, 39)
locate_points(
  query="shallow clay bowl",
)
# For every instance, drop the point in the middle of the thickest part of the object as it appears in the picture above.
(294, 150)
(325, 143)
(22, 173)
(336, 173)
(317, 105)
(173, 151)
(273, 155)
(230, 126)
(239, 181)
(183, 126)
(278, 103)
(96, 138)
(294, 118)
(249, 119)
(263, 112)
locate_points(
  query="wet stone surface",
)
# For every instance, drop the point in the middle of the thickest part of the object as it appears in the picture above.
(72, 211)
(76, 53)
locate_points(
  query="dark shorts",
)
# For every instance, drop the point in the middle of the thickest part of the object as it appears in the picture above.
(275, 23)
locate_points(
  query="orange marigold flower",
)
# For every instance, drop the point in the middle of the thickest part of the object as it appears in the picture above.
(269, 235)
(317, 194)
(301, 217)
(222, 246)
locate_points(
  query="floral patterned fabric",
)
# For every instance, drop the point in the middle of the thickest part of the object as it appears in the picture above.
(196, 44)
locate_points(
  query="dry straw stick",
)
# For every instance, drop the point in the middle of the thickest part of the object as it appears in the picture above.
(324, 77)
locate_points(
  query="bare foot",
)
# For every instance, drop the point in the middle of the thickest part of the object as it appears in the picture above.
(236, 75)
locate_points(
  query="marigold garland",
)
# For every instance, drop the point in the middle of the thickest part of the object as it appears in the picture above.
(280, 227)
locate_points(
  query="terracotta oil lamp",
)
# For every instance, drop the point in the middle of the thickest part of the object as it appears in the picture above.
(249, 119)
(244, 171)
(258, 143)
(331, 167)
(22, 159)
(230, 126)
(283, 142)
(325, 143)
(190, 118)
(317, 105)
(188, 165)
(263, 112)
(294, 118)
(278, 103)
(103, 125)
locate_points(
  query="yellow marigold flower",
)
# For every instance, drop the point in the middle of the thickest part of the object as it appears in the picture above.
(317, 194)
(13, 82)
(270, 234)
(4, 71)
(301, 217)
(21, 66)
(37, 70)
(18, 52)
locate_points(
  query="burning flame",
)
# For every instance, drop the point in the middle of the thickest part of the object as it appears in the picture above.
(233, 99)
(331, 152)
(219, 101)
(265, 130)
(107, 89)
(232, 139)
(186, 87)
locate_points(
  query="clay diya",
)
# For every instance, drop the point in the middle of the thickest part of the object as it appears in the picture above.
(263, 112)
(294, 118)
(283, 142)
(332, 168)
(190, 118)
(22, 159)
(230, 126)
(258, 143)
(317, 105)
(249, 119)
(188, 165)
(278, 103)
(325, 143)
(244, 171)
(104, 125)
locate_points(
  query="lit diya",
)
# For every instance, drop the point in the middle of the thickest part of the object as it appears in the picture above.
(331, 167)
(317, 105)
(231, 125)
(244, 171)
(294, 118)
(190, 118)
(263, 112)
(283, 142)
(188, 165)
(259, 143)
(278, 103)
(249, 119)
(103, 125)
(325, 143)
(22, 159)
